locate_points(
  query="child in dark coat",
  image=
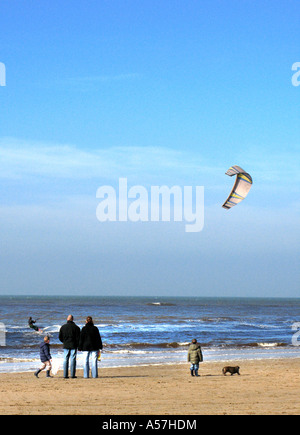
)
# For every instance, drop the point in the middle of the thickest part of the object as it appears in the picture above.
(45, 356)
(195, 357)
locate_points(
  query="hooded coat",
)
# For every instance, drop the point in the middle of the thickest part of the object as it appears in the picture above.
(195, 354)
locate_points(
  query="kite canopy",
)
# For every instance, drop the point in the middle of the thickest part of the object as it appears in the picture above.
(240, 190)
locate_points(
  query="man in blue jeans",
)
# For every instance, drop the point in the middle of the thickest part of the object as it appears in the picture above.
(69, 335)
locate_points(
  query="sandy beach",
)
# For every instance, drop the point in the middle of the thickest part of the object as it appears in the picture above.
(264, 387)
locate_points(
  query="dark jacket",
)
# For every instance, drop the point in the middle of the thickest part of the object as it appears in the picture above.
(195, 354)
(90, 338)
(45, 352)
(69, 335)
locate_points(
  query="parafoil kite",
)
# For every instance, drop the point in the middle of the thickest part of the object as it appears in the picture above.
(240, 190)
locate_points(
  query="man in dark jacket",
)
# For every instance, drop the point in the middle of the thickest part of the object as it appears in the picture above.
(90, 343)
(69, 335)
(45, 357)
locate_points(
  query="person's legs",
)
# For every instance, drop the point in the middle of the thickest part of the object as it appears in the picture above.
(66, 362)
(48, 365)
(196, 367)
(94, 356)
(192, 369)
(43, 365)
(73, 355)
(86, 365)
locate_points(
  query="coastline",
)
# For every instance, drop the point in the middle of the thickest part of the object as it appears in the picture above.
(132, 359)
(266, 386)
(170, 356)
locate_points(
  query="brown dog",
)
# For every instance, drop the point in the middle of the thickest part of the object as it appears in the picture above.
(231, 370)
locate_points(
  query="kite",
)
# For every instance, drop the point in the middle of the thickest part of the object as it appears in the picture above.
(241, 188)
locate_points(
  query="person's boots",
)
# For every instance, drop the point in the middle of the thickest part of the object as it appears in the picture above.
(36, 374)
(196, 373)
(192, 372)
(48, 374)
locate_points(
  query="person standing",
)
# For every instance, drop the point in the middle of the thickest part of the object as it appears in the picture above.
(195, 357)
(90, 343)
(69, 335)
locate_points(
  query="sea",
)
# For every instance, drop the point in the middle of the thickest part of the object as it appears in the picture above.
(152, 330)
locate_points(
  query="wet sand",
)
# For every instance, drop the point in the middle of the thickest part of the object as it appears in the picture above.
(264, 387)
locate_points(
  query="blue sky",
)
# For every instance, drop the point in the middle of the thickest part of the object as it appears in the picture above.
(167, 92)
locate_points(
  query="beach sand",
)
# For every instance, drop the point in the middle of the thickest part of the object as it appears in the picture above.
(264, 387)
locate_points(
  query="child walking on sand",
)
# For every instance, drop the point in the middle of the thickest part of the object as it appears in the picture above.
(45, 356)
(195, 357)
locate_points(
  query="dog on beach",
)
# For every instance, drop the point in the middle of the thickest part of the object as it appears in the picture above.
(231, 370)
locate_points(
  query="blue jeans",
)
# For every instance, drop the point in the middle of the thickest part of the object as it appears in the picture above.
(195, 367)
(93, 354)
(70, 354)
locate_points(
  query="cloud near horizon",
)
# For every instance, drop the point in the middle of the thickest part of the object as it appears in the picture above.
(42, 170)
(21, 158)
